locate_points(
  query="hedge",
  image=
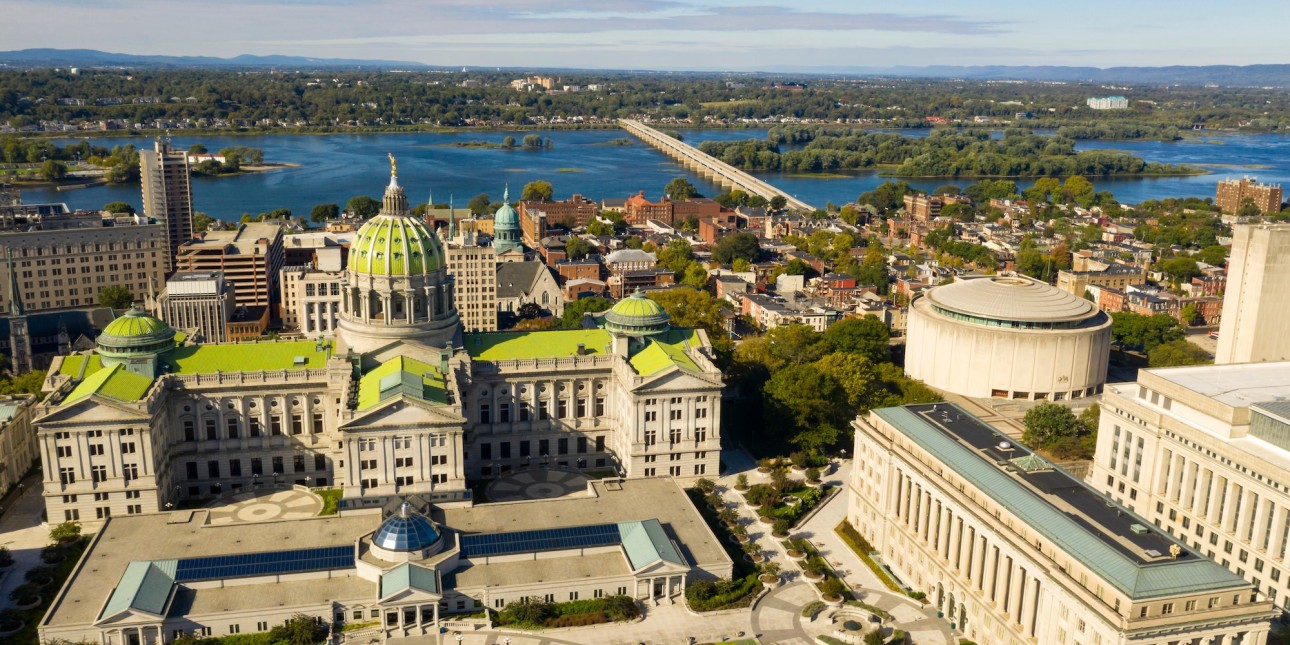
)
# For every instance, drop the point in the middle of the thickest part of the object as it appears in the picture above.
(862, 548)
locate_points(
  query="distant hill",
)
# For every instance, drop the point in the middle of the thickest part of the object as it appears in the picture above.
(1230, 75)
(96, 58)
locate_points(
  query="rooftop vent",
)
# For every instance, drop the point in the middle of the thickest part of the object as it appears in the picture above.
(1139, 529)
(300, 360)
(1004, 445)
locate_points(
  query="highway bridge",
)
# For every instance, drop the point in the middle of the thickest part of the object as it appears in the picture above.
(709, 167)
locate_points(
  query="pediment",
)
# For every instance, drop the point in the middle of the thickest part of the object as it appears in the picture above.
(675, 378)
(127, 617)
(94, 409)
(411, 594)
(403, 411)
(661, 567)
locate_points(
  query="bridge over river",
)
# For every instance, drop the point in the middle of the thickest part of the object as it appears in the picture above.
(711, 168)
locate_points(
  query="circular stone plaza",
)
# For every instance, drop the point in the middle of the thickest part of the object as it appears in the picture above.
(1009, 337)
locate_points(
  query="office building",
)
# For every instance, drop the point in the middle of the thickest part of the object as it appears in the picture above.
(1011, 549)
(250, 257)
(167, 194)
(19, 450)
(1257, 303)
(402, 402)
(1232, 193)
(63, 259)
(197, 303)
(1108, 103)
(311, 300)
(1202, 452)
(472, 264)
(1007, 336)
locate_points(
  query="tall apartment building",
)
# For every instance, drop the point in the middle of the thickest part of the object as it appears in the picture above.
(1231, 193)
(924, 208)
(1257, 303)
(473, 266)
(199, 301)
(167, 194)
(1202, 452)
(1012, 550)
(250, 258)
(1108, 103)
(64, 259)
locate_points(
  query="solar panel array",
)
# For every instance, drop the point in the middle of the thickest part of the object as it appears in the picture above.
(264, 564)
(575, 537)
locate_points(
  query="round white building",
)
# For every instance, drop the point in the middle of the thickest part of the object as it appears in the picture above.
(1007, 336)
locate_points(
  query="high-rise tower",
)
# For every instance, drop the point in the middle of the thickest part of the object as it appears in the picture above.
(167, 195)
(1257, 301)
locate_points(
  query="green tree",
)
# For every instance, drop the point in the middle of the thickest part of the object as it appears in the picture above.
(1078, 190)
(532, 141)
(692, 308)
(27, 383)
(323, 212)
(65, 532)
(738, 245)
(1180, 269)
(695, 276)
(1177, 352)
(52, 170)
(1137, 331)
(300, 629)
(119, 208)
(778, 202)
(804, 401)
(866, 336)
(363, 206)
(577, 248)
(599, 228)
(508, 142)
(1248, 209)
(202, 221)
(874, 637)
(740, 265)
(197, 149)
(537, 191)
(574, 311)
(676, 256)
(1048, 423)
(116, 296)
(528, 311)
(680, 189)
(947, 189)
(1091, 418)
(1213, 255)
(480, 204)
(888, 196)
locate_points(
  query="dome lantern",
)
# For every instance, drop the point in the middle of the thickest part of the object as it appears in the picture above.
(637, 315)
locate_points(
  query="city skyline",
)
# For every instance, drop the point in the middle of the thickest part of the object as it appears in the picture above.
(667, 34)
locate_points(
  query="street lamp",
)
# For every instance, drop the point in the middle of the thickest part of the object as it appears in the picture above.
(307, 480)
(460, 638)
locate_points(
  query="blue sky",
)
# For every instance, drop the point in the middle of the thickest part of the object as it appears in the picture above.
(670, 34)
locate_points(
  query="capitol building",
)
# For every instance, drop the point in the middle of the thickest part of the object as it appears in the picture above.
(400, 403)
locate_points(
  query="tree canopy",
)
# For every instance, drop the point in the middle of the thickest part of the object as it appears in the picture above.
(538, 191)
(324, 212)
(116, 296)
(739, 245)
(680, 189)
(363, 206)
(1136, 331)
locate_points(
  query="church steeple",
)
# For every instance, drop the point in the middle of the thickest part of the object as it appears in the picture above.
(15, 298)
(19, 335)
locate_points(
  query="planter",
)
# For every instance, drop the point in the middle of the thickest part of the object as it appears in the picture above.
(34, 602)
(770, 582)
(766, 520)
(752, 506)
(833, 601)
(42, 581)
(813, 578)
(52, 558)
(792, 501)
(741, 488)
(742, 539)
(796, 555)
(757, 559)
(764, 471)
(11, 628)
(778, 536)
(799, 469)
(815, 484)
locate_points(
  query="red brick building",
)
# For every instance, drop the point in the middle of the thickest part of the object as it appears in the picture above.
(712, 229)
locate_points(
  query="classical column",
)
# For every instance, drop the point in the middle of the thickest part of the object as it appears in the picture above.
(989, 577)
(976, 572)
(1002, 576)
(1278, 532)
(965, 545)
(1188, 493)
(1016, 593)
(1030, 606)
(947, 526)
(1233, 505)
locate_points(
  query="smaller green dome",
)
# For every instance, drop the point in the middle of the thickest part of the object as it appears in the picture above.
(134, 332)
(637, 315)
(506, 217)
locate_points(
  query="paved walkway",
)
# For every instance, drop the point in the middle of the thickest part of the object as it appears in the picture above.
(536, 484)
(24, 533)
(264, 506)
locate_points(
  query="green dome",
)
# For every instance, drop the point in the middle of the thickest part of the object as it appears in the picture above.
(506, 217)
(637, 315)
(136, 331)
(395, 245)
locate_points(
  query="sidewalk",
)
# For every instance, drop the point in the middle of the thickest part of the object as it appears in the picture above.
(919, 620)
(25, 534)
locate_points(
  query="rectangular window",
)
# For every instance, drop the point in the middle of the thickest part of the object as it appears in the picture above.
(503, 412)
(600, 444)
(543, 415)
(318, 423)
(232, 427)
(561, 408)
(96, 450)
(190, 432)
(600, 406)
(297, 424)
(544, 447)
(524, 448)
(212, 469)
(211, 433)
(253, 426)
(275, 425)
(320, 462)
(235, 468)
(485, 416)
(298, 463)
(485, 451)
(562, 446)
(257, 466)
(582, 445)
(582, 408)
(277, 466)
(506, 450)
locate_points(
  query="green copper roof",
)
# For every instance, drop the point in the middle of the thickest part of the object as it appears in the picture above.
(1138, 581)
(145, 586)
(135, 329)
(76, 363)
(666, 350)
(506, 217)
(114, 382)
(637, 315)
(395, 245)
(246, 357)
(401, 376)
(408, 576)
(646, 543)
(513, 345)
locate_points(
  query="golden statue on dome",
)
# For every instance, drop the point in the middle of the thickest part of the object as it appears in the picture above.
(394, 168)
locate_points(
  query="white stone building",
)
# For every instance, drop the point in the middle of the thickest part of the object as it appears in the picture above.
(1013, 550)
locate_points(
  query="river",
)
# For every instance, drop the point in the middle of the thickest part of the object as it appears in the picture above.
(333, 168)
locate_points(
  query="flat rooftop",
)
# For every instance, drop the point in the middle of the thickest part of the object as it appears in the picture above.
(1237, 385)
(1127, 550)
(625, 501)
(184, 534)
